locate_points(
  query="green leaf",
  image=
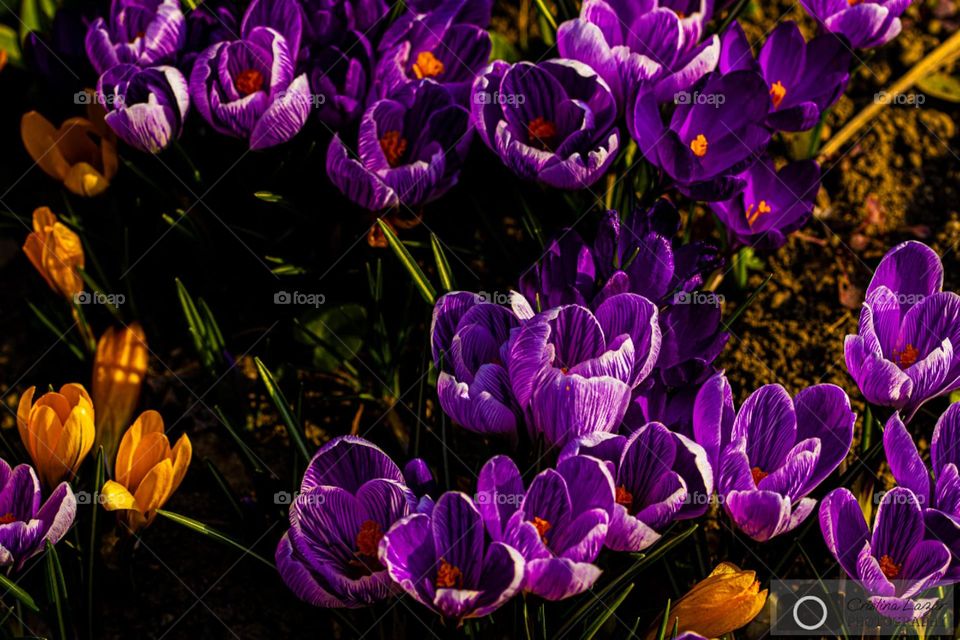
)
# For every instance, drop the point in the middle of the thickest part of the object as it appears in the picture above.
(548, 16)
(59, 333)
(99, 477)
(212, 533)
(224, 486)
(502, 48)
(419, 278)
(940, 85)
(10, 42)
(29, 18)
(206, 335)
(283, 407)
(56, 588)
(14, 589)
(663, 623)
(608, 611)
(252, 459)
(443, 265)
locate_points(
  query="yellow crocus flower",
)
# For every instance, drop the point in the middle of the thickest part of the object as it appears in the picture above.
(57, 430)
(56, 252)
(118, 370)
(147, 471)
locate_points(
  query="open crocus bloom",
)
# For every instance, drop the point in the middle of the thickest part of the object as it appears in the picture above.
(147, 471)
(660, 477)
(941, 498)
(572, 370)
(773, 203)
(351, 494)
(145, 107)
(804, 78)
(81, 153)
(25, 525)
(906, 348)
(642, 44)
(469, 336)
(554, 121)
(57, 430)
(558, 525)
(56, 252)
(712, 136)
(444, 562)
(774, 452)
(866, 24)
(897, 562)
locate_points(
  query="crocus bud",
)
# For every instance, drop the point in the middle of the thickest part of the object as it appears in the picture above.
(57, 430)
(118, 371)
(727, 599)
(147, 471)
(56, 252)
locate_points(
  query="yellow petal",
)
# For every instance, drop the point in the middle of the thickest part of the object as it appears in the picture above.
(154, 448)
(40, 140)
(155, 488)
(45, 433)
(118, 371)
(81, 431)
(23, 418)
(114, 496)
(181, 455)
(56, 401)
(83, 179)
(148, 422)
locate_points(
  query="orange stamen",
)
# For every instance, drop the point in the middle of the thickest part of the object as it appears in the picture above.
(542, 526)
(368, 539)
(777, 93)
(541, 131)
(427, 66)
(699, 145)
(448, 576)
(758, 475)
(624, 497)
(393, 147)
(907, 357)
(248, 81)
(761, 209)
(7, 518)
(890, 568)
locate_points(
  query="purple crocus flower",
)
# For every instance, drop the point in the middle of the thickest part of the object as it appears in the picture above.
(469, 337)
(325, 20)
(897, 562)
(211, 22)
(558, 524)
(715, 133)
(340, 75)
(351, 493)
(572, 370)
(140, 32)
(773, 203)
(471, 11)
(865, 23)
(443, 561)
(25, 525)
(434, 46)
(145, 107)
(941, 498)
(773, 452)
(660, 477)
(649, 45)
(410, 150)
(553, 121)
(283, 16)
(905, 352)
(804, 78)
(246, 88)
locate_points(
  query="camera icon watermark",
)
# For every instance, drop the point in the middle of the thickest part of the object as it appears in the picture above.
(816, 609)
(299, 298)
(96, 297)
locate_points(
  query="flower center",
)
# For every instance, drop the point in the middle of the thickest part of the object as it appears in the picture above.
(699, 145)
(542, 526)
(854, 3)
(368, 539)
(758, 475)
(394, 146)
(890, 568)
(427, 66)
(448, 576)
(777, 93)
(624, 497)
(136, 36)
(7, 518)
(248, 81)
(753, 214)
(906, 357)
(540, 132)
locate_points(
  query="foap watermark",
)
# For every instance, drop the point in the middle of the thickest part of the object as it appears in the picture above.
(915, 100)
(95, 97)
(816, 609)
(299, 298)
(698, 297)
(496, 97)
(287, 498)
(695, 97)
(495, 297)
(498, 498)
(315, 99)
(98, 297)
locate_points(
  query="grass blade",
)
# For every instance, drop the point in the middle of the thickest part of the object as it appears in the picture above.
(443, 265)
(597, 624)
(210, 532)
(56, 588)
(419, 278)
(283, 407)
(14, 589)
(100, 473)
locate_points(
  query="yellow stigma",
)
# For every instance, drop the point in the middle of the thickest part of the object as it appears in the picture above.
(889, 568)
(427, 66)
(906, 357)
(753, 214)
(699, 145)
(777, 93)
(542, 526)
(448, 576)
(394, 146)
(758, 475)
